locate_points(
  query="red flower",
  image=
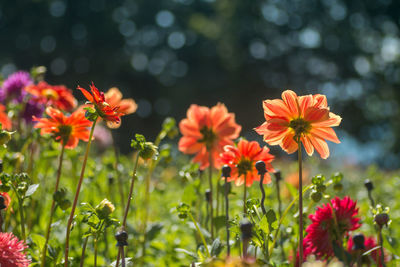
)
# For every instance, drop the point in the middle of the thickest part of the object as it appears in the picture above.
(304, 118)
(65, 129)
(12, 251)
(107, 112)
(57, 96)
(207, 131)
(323, 229)
(4, 120)
(242, 160)
(369, 244)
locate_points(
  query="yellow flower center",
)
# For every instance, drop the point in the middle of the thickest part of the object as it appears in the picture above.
(50, 94)
(245, 165)
(209, 137)
(300, 127)
(64, 131)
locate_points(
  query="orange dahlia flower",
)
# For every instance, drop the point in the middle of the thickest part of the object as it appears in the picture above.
(65, 129)
(207, 130)
(114, 98)
(296, 119)
(4, 120)
(57, 96)
(105, 110)
(242, 160)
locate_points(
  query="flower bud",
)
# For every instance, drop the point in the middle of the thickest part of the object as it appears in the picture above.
(64, 204)
(358, 242)
(5, 137)
(2, 203)
(226, 171)
(104, 209)
(338, 187)
(260, 166)
(369, 185)
(381, 219)
(278, 175)
(246, 228)
(208, 195)
(149, 151)
(316, 196)
(122, 238)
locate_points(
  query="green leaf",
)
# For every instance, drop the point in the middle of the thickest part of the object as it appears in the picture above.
(187, 252)
(154, 230)
(31, 189)
(38, 240)
(219, 222)
(216, 247)
(271, 217)
(264, 224)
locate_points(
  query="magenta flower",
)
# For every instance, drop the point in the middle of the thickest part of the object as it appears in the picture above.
(13, 86)
(12, 251)
(324, 230)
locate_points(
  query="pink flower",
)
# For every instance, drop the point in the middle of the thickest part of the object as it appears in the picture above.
(324, 230)
(12, 251)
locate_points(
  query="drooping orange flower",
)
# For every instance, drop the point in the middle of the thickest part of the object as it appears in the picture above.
(4, 120)
(65, 129)
(57, 96)
(207, 130)
(242, 160)
(114, 98)
(304, 119)
(7, 198)
(105, 110)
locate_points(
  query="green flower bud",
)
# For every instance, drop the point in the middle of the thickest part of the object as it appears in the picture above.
(316, 196)
(321, 188)
(5, 137)
(338, 187)
(149, 151)
(104, 209)
(64, 204)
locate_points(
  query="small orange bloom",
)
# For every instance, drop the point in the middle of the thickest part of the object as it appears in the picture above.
(242, 160)
(114, 98)
(4, 120)
(299, 118)
(7, 199)
(65, 129)
(57, 96)
(207, 130)
(107, 112)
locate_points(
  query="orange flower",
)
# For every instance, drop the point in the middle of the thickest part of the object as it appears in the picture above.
(242, 160)
(114, 98)
(4, 120)
(107, 112)
(299, 118)
(65, 129)
(57, 96)
(207, 131)
(7, 199)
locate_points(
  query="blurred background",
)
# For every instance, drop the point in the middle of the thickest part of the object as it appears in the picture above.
(168, 54)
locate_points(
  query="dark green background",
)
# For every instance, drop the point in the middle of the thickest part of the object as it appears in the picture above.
(236, 52)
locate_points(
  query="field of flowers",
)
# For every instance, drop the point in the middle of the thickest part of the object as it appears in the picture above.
(197, 195)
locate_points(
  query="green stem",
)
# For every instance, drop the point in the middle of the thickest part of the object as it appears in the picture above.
(78, 189)
(21, 214)
(300, 202)
(129, 201)
(200, 234)
(283, 217)
(211, 196)
(53, 207)
(83, 251)
(278, 194)
(95, 251)
(130, 191)
(244, 194)
(380, 258)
